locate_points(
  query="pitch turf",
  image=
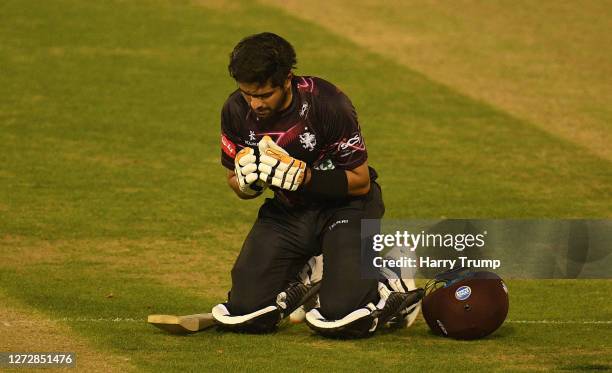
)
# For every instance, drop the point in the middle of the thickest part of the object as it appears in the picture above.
(539, 60)
(113, 204)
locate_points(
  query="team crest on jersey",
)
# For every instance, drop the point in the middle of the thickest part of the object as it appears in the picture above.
(308, 141)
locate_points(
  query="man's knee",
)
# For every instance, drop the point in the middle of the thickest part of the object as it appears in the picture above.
(250, 290)
(266, 318)
(335, 308)
(249, 307)
(338, 301)
(365, 320)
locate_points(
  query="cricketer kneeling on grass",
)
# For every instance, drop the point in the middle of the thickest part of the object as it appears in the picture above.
(299, 136)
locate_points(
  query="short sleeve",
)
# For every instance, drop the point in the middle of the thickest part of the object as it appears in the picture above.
(346, 147)
(229, 138)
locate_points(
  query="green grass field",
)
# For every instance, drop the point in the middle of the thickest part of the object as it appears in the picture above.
(113, 203)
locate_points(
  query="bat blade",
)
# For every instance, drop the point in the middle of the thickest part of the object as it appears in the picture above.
(182, 324)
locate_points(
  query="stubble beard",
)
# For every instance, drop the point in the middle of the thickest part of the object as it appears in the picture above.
(274, 112)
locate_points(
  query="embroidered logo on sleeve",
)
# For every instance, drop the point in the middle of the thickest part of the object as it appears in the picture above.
(228, 147)
(350, 146)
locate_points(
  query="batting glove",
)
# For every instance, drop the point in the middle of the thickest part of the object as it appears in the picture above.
(278, 168)
(245, 168)
(267, 143)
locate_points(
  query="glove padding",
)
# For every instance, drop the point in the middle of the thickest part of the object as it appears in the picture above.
(266, 143)
(278, 168)
(245, 167)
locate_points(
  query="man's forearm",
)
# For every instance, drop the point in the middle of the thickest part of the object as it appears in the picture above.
(358, 185)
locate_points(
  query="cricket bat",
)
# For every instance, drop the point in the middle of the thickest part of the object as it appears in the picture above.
(182, 324)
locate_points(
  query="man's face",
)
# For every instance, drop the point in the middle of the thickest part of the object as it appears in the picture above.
(264, 99)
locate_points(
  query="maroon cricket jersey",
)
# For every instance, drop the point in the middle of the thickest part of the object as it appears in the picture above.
(319, 127)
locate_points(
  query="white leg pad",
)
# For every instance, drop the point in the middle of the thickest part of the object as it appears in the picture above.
(222, 315)
(315, 318)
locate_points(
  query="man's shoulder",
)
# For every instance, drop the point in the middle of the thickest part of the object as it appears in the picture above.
(233, 112)
(234, 104)
(316, 86)
(324, 95)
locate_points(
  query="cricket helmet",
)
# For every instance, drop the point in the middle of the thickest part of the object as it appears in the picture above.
(462, 304)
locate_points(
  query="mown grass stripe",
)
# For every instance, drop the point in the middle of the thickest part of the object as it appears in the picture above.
(521, 58)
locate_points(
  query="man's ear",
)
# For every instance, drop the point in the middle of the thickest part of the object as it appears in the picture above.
(288, 81)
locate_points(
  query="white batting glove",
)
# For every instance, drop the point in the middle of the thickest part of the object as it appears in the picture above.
(267, 143)
(245, 168)
(278, 168)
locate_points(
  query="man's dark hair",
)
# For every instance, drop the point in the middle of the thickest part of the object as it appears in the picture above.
(262, 57)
